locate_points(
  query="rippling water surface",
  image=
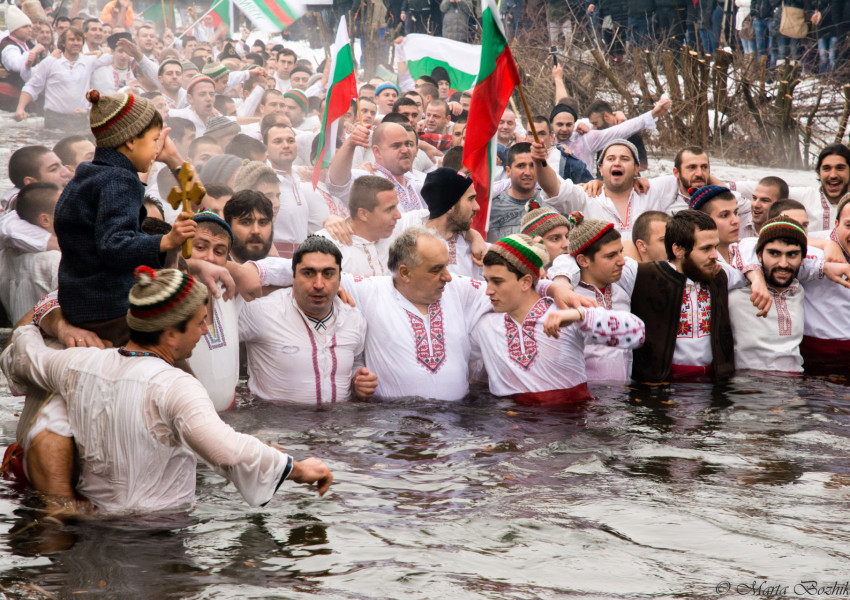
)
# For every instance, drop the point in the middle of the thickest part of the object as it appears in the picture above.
(633, 495)
(673, 493)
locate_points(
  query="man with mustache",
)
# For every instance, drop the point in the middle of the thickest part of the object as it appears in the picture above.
(251, 218)
(684, 303)
(833, 169)
(773, 343)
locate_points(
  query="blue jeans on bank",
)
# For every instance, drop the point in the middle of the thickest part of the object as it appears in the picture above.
(748, 46)
(761, 28)
(640, 30)
(828, 52)
(782, 43)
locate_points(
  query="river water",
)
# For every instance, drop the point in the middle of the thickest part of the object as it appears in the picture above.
(692, 491)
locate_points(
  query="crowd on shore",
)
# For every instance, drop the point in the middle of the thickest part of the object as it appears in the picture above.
(371, 283)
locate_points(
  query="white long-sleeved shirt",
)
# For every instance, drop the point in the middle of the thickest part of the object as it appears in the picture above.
(604, 363)
(292, 359)
(409, 196)
(139, 424)
(821, 212)
(302, 209)
(14, 58)
(521, 358)
(22, 235)
(64, 83)
(215, 358)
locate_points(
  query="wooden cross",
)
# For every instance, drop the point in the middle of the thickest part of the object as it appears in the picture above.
(182, 194)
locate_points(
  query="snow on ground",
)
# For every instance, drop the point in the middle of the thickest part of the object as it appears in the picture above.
(726, 172)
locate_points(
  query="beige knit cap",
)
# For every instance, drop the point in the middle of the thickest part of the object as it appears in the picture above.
(118, 118)
(16, 18)
(249, 173)
(585, 232)
(163, 298)
(541, 221)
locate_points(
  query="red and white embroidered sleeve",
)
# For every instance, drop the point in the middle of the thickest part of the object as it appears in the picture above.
(617, 328)
(47, 304)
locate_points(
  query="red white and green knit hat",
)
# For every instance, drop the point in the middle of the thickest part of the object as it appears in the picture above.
(163, 298)
(523, 253)
(118, 118)
(196, 80)
(585, 232)
(782, 226)
(541, 221)
(300, 99)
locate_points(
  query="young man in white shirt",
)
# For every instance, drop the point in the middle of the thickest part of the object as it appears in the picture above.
(520, 359)
(304, 344)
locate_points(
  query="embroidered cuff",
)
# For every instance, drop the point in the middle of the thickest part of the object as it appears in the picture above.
(543, 286)
(589, 315)
(47, 304)
(286, 471)
(752, 267)
(820, 268)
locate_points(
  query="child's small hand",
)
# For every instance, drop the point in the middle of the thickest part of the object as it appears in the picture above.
(183, 229)
(167, 152)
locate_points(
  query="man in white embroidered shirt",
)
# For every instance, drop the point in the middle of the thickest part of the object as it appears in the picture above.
(773, 343)
(304, 344)
(520, 360)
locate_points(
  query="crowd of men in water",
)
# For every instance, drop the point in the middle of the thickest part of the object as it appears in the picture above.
(372, 284)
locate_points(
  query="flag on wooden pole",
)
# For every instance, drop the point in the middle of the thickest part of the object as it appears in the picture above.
(497, 78)
(342, 89)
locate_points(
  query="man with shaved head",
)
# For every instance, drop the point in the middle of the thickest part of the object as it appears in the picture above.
(393, 149)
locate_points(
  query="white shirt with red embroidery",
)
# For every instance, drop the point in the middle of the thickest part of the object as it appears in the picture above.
(821, 211)
(521, 358)
(293, 359)
(302, 209)
(770, 343)
(827, 304)
(409, 197)
(604, 363)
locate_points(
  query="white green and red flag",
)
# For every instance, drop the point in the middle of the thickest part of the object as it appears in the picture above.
(223, 12)
(342, 89)
(271, 16)
(424, 53)
(497, 78)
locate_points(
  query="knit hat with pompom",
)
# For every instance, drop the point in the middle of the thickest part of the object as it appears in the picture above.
(585, 231)
(524, 254)
(118, 118)
(163, 298)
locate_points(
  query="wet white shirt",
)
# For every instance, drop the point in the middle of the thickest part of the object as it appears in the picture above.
(215, 358)
(294, 359)
(64, 83)
(139, 424)
(25, 277)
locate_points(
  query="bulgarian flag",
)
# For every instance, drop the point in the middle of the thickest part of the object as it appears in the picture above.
(425, 52)
(497, 78)
(223, 14)
(271, 16)
(342, 89)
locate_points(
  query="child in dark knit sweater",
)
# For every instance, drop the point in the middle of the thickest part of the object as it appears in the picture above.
(99, 214)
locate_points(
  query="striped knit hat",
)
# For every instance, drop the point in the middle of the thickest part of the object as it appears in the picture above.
(524, 254)
(163, 298)
(214, 70)
(208, 216)
(704, 194)
(196, 80)
(541, 221)
(169, 61)
(585, 231)
(782, 226)
(118, 118)
(300, 99)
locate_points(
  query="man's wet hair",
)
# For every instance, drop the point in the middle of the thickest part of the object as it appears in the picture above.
(154, 202)
(682, 228)
(244, 146)
(316, 243)
(395, 117)
(179, 126)
(244, 203)
(777, 182)
(642, 228)
(600, 107)
(198, 141)
(36, 199)
(24, 163)
(784, 204)
(428, 89)
(216, 190)
(404, 101)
